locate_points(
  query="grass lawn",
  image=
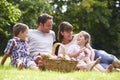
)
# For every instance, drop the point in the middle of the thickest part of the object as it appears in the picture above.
(8, 72)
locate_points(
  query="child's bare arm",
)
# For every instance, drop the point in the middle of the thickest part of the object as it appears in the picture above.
(76, 53)
(92, 51)
(4, 59)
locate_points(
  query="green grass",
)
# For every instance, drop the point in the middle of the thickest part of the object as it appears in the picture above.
(8, 72)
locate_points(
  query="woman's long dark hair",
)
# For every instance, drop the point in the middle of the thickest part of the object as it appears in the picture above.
(64, 26)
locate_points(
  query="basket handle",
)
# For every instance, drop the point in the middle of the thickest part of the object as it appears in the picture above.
(54, 48)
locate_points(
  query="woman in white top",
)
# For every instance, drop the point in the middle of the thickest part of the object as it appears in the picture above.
(73, 50)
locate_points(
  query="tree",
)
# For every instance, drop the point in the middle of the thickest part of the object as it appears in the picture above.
(114, 30)
(9, 15)
(93, 16)
(31, 9)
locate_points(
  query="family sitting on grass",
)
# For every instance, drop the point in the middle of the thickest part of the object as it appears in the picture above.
(27, 47)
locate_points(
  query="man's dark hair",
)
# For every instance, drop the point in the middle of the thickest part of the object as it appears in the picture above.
(43, 18)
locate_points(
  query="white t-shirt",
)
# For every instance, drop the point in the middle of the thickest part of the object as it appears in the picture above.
(40, 42)
(73, 47)
(70, 48)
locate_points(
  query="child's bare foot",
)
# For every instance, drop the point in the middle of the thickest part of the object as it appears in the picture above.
(95, 63)
(109, 68)
(117, 69)
(116, 63)
(20, 64)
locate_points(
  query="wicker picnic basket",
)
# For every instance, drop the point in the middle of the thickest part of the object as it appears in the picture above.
(59, 64)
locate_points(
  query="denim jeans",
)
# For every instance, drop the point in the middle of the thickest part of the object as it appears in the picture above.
(107, 58)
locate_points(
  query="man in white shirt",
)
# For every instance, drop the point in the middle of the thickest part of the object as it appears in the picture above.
(40, 41)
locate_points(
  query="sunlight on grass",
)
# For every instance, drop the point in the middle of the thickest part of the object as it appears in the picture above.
(8, 72)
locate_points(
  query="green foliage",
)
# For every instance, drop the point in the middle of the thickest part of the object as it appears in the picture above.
(93, 16)
(9, 15)
(115, 30)
(31, 9)
(4, 36)
(65, 10)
